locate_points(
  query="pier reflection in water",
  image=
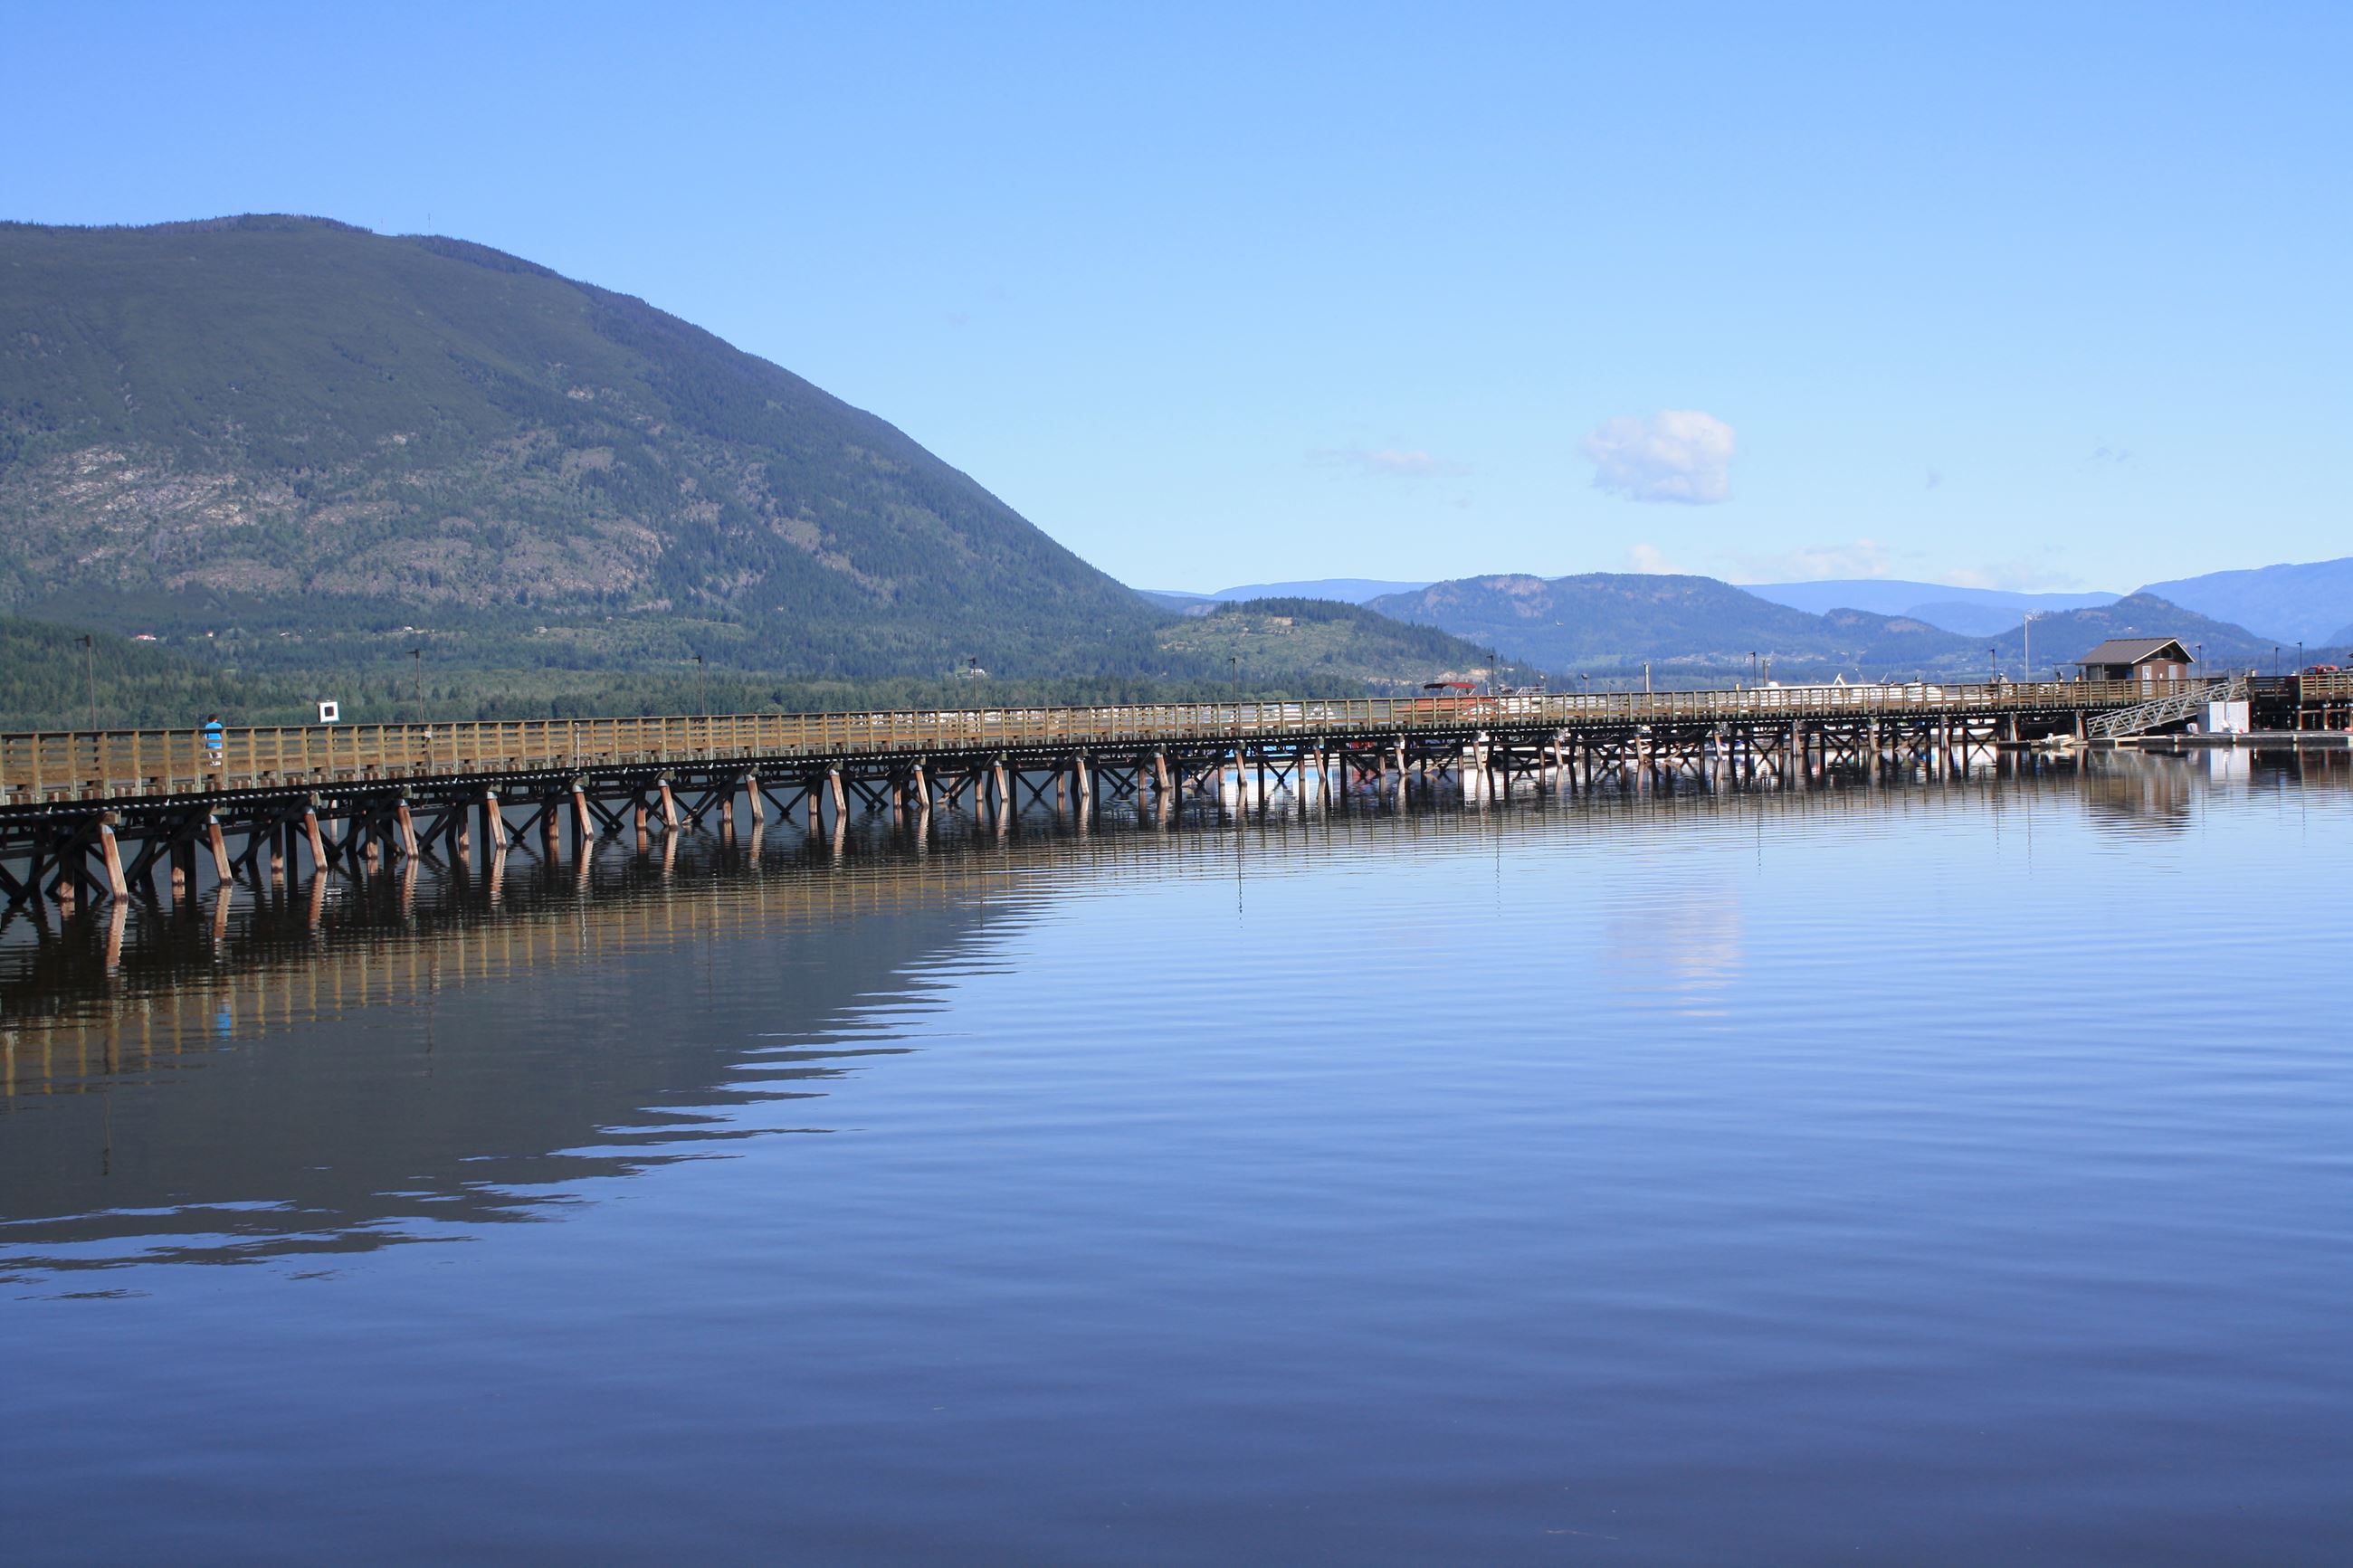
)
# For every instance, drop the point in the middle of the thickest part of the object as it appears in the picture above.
(1692, 1174)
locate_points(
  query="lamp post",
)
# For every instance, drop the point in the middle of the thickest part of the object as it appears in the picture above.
(417, 677)
(90, 668)
(702, 680)
(1996, 678)
(1753, 677)
(2027, 659)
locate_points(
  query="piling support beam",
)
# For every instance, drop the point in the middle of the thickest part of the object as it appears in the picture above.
(110, 856)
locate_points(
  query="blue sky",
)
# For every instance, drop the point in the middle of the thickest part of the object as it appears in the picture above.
(2043, 296)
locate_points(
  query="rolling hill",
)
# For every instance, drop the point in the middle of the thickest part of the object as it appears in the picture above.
(288, 428)
(1311, 646)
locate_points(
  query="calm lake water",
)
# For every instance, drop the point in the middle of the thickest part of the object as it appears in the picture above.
(1951, 1173)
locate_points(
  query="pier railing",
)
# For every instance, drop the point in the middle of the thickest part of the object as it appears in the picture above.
(37, 767)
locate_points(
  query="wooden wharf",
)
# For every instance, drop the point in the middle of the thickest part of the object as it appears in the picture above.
(91, 815)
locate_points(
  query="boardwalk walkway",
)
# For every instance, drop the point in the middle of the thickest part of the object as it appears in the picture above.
(353, 796)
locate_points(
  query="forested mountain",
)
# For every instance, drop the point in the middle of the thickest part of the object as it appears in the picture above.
(274, 429)
(1689, 628)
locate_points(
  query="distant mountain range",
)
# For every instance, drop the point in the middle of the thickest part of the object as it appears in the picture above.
(1973, 612)
(1694, 629)
(2312, 602)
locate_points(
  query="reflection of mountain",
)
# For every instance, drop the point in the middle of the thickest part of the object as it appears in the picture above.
(338, 1099)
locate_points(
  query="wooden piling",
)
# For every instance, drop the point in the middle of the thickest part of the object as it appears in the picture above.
(110, 853)
(494, 831)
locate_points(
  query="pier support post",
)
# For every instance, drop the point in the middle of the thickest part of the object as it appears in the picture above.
(318, 846)
(110, 856)
(494, 830)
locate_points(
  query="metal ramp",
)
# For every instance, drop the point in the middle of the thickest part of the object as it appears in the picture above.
(2174, 708)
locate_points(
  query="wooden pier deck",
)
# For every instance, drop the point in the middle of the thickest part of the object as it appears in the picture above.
(100, 815)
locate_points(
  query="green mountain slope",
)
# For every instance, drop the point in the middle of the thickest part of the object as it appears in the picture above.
(286, 424)
(1689, 628)
(1325, 648)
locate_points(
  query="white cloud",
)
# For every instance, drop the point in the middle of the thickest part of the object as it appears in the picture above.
(1392, 462)
(1814, 562)
(1650, 558)
(1676, 455)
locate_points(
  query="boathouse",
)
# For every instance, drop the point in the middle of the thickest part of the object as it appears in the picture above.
(2145, 659)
